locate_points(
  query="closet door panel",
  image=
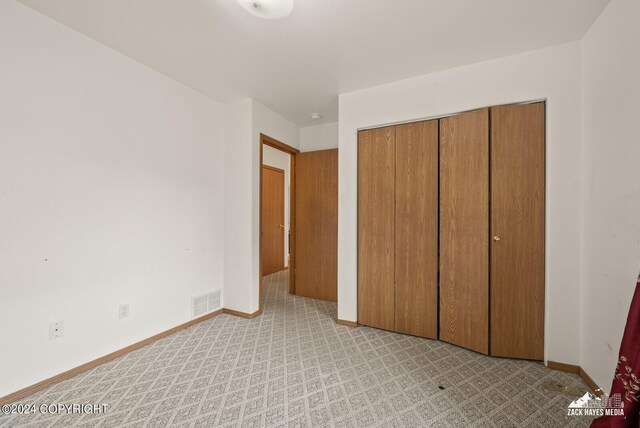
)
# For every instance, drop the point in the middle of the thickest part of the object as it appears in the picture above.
(416, 229)
(517, 222)
(464, 230)
(376, 231)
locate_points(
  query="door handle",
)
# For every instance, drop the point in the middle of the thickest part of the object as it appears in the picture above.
(282, 226)
(496, 238)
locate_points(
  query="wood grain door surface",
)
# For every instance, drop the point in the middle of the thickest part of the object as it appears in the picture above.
(464, 230)
(517, 222)
(317, 224)
(272, 246)
(376, 227)
(416, 229)
(491, 182)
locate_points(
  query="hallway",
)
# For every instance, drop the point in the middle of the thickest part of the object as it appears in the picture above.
(294, 366)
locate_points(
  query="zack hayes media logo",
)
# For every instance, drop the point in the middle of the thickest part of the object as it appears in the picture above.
(591, 405)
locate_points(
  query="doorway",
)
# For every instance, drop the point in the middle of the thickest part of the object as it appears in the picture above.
(277, 210)
(299, 226)
(275, 226)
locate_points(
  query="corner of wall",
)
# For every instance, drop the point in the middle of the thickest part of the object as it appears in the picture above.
(319, 137)
(610, 232)
(245, 120)
(237, 187)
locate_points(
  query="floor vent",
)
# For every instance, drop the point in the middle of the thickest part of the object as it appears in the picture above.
(205, 303)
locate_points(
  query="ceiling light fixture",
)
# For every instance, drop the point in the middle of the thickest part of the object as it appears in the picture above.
(316, 116)
(267, 9)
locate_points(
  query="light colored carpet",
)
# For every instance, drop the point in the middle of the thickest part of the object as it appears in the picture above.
(294, 366)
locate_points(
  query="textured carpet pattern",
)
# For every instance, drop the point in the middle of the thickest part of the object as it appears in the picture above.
(294, 366)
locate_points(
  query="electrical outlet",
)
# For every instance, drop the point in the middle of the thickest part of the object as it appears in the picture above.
(56, 330)
(123, 310)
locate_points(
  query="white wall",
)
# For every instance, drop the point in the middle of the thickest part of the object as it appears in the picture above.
(110, 192)
(281, 160)
(246, 120)
(611, 191)
(238, 206)
(319, 137)
(552, 73)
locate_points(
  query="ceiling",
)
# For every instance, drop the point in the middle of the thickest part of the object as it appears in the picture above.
(300, 64)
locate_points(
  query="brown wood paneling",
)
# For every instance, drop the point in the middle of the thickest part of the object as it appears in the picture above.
(563, 367)
(416, 229)
(517, 218)
(265, 139)
(464, 230)
(272, 251)
(317, 224)
(242, 314)
(570, 368)
(292, 225)
(347, 323)
(376, 231)
(591, 383)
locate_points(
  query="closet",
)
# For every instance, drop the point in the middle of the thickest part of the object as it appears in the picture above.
(517, 230)
(416, 227)
(451, 229)
(376, 227)
(398, 228)
(464, 230)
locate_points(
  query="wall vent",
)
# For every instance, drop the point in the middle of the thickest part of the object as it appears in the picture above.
(213, 300)
(198, 306)
(205, 303)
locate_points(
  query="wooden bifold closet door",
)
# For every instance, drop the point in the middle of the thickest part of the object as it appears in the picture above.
(398, 228)
(464, 230)
(416, 234)
(466, 267)
(517, 227)
(376, 228)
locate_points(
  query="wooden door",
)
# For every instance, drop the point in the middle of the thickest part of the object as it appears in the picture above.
(317, 224)
(517, 223)
(464, 230)
(416, 229)
(272, 247)
(376, 230)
